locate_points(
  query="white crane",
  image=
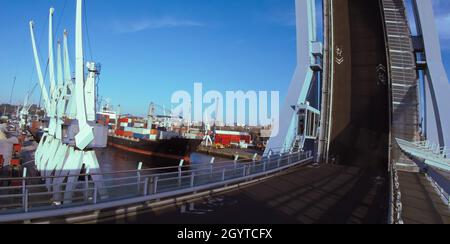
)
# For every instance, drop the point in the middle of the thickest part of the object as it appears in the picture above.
(57, 155)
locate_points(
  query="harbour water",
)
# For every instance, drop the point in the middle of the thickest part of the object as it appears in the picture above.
(113, 160)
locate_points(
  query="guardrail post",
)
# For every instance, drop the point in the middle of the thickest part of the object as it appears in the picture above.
(236, 158)
(279, 160)
(254, 159)
(146, 187)
(265, 164)
(211, 165)
(448, 199)
(86, 185)
(223, 174)
(139, 176)
(155, 185)
(24, 189)
(180, 168)
(245, 171)
(95, 194)
(192, 179)
(26, 201)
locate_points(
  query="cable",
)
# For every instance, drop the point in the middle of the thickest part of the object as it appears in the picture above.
(60, 18)
(87, 30)
(40, 41)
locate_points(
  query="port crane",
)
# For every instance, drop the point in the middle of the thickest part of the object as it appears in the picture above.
(68, 144)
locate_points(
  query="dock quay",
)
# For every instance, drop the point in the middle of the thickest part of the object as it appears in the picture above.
(231, 153)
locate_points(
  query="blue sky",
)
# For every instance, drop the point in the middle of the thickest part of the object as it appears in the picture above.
(149, 49)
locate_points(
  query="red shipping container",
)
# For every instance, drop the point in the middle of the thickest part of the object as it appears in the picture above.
(15, 162)
(226, 139)
(128, 134)
(17, 148)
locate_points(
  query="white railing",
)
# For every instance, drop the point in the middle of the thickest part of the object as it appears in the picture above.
(433, 154)
(32, 194)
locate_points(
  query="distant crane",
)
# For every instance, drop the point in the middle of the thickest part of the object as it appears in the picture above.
(10, 97)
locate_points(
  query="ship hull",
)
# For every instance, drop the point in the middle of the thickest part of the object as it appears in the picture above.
(36, 134)
(173, 150)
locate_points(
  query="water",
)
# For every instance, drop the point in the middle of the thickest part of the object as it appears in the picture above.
(113, 160)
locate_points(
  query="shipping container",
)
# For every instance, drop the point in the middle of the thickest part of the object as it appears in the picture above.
(128, 134)
(139, 125)
(232, 138)
(141, 136)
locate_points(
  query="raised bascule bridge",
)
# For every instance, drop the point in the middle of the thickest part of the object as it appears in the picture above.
(365, 138)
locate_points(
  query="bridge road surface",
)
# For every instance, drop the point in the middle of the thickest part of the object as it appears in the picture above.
(421, 203)
(304, 195)
(360, 105)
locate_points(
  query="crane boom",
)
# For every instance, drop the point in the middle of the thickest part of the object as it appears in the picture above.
(51, 64)
(44, 92)
(86, 134)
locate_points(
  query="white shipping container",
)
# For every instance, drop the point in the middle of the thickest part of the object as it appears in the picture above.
(141, 131)
(139, 125)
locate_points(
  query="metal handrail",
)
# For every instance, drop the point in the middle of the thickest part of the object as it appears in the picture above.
(396, 208)
(171, 168)
(131, 187)
(142, 171)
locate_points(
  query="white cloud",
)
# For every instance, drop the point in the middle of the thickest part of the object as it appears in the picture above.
(146, 24)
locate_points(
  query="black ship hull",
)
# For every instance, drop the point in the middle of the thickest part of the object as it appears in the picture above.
(36, 134)
(172, 150)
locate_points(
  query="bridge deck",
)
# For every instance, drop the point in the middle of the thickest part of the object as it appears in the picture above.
(421, 203)
(329, 194)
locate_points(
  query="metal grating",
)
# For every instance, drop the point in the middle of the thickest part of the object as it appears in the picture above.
(404, 80)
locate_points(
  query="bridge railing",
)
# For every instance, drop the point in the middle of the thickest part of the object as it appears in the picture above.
(396, 206)
(433, 154)
(39, 194)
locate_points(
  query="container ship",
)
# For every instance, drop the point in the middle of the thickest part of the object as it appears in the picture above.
(151, 137)
(36, 130)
